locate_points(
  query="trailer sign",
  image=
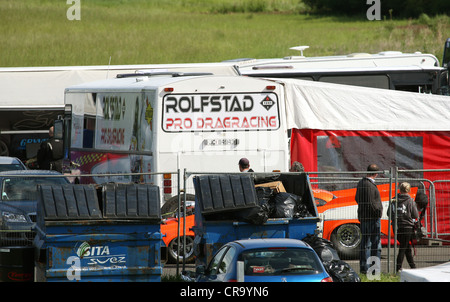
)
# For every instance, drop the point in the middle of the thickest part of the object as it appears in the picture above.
(220, 112)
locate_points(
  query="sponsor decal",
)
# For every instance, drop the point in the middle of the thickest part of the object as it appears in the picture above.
(99, 255)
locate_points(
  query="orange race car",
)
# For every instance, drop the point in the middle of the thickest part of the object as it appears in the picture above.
(169, 230)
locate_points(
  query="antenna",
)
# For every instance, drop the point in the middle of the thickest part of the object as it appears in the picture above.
(300, 48)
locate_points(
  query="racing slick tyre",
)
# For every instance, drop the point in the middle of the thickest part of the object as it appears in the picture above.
(189, 250)
(170, 207)
(347, 239)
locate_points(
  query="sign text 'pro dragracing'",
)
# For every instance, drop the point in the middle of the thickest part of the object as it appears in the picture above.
(220, 112)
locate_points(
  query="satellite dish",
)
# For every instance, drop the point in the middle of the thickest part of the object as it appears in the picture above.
(300, 48)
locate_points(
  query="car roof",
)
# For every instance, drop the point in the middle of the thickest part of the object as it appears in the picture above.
(5, 160)
(271, 242)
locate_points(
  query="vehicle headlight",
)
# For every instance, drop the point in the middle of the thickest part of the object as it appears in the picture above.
(13, 217)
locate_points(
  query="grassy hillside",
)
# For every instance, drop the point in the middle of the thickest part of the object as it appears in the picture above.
(38, 33)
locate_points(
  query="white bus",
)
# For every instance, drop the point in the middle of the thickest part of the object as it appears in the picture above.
(163, 122)
(32, 98)
(414, 72)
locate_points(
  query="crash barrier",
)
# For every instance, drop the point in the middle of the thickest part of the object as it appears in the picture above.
(98, 233)
(439, 210)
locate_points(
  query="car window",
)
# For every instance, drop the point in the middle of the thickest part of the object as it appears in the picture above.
(284, 261)
(226, 262)
(214, 264)
(25, 188)
(221, 263)
(9, 167)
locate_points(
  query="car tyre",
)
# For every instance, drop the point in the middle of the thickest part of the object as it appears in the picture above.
(171, 205)
(347, 240)
(189, 249)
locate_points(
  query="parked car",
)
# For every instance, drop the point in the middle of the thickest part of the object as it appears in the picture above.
(18, 203)
(8, 163)
(436, 273)
(265, 260)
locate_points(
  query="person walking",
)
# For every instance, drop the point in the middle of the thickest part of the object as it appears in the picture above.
(50, 154)
(404, 214)
(369, 215)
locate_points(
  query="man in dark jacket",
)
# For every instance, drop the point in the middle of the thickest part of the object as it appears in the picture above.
(369, 214)
(50, 154)
(404, 214)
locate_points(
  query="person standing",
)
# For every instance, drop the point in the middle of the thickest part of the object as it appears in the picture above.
(244, 165)
(405, 215)
(369, 215)
(50, 154)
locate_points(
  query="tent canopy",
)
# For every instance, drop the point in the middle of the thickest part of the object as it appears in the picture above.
(325, 106)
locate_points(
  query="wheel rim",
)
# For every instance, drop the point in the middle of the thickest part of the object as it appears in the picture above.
(349, 235)
(189, 248)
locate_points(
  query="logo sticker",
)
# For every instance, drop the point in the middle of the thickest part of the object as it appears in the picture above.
(83, 249)
(267, 103)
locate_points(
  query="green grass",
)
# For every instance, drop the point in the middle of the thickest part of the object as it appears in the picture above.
(383, 278)
(37, 32)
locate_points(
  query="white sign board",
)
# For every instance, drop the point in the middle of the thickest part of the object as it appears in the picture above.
(220, 112)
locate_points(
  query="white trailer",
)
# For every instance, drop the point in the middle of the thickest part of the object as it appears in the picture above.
(170, 121)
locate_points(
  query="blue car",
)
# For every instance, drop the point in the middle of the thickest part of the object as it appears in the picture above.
(18, 203)
(264, 260)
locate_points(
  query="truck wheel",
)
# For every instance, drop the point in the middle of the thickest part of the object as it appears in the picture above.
(347, 239)
(189, 249)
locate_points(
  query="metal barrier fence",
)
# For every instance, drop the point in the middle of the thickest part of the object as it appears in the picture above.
(335, 201)
(340, 224)
(18, 201)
